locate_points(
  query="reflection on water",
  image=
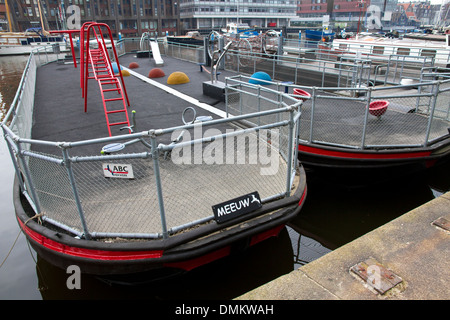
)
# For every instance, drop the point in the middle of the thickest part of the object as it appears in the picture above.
(11, 69)
(223, 279)
(334, 214)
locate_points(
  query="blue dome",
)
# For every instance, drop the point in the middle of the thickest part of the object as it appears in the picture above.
(261, 76)
(115, 68)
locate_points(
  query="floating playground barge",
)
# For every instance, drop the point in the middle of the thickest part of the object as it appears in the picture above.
(78, 205)
(172, 184)
(360, 112)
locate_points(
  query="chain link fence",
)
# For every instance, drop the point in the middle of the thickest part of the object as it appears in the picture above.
(174, 185)
(152, 189)
(415, 115)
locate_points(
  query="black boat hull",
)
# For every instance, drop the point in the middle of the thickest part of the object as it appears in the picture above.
(184, 251)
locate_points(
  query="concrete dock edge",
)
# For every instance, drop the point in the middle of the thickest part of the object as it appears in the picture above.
(410, 247)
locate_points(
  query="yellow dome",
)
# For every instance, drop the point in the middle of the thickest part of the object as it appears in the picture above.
(125, 73)
(177, 77)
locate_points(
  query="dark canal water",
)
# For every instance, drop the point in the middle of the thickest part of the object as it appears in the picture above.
(335, 213)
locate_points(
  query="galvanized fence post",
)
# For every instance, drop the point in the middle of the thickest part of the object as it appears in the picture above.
(68, 165)
(226, 96)
(431, 114)
(366, 114)
(155, 156)
(290, 151)
(313, 107)
(323, 73)
(297, 133)
(273, 67)
(259, 104)
(9, 141)
(29, 179)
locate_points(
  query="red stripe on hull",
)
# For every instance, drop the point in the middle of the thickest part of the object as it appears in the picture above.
(89, 253)
(363, 155)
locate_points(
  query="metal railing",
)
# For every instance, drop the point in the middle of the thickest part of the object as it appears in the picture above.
(350, 84)
(172, 186)
(310, 64)
(417, 115)
(69, 187)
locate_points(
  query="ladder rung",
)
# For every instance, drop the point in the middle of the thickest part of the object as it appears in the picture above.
(115, 111)
(117, 123)
(113, 99)
(110, 81)
(114, 89)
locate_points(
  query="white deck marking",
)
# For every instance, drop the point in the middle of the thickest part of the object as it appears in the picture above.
(179, 94)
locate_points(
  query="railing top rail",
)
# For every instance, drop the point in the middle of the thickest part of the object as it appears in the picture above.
(358, 89)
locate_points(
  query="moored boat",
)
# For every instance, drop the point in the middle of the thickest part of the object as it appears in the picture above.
(239, 30)
(134, 201)
(378, 47)
(323, 35)
(191, 38)
(16, 43)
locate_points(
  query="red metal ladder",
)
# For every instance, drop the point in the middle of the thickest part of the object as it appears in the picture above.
(96, 64)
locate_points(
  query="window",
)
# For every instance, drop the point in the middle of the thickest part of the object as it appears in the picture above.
(403, 51)
(428, 53)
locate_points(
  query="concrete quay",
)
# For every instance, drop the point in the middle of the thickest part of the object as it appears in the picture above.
(406, 259)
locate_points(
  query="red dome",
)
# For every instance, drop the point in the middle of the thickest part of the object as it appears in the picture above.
(133, 65)
(156, 73)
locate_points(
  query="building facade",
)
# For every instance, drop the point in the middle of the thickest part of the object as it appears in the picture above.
(133, 17)
(351, 14)
(422, 13)
(208, 14)
(129, 17)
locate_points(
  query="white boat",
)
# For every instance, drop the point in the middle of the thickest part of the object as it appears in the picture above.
(377, 46)
(16, 43)
(192, 38)
(242, 29)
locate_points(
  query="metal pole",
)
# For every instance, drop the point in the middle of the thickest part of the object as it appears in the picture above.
(155, 156)
(297, 134)
(9, 141)
(226, 96)
(313, 105)
(363, 138)
(430, 119)
(28, 178)
(76, 196)
(290, 151)
(259, 104)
